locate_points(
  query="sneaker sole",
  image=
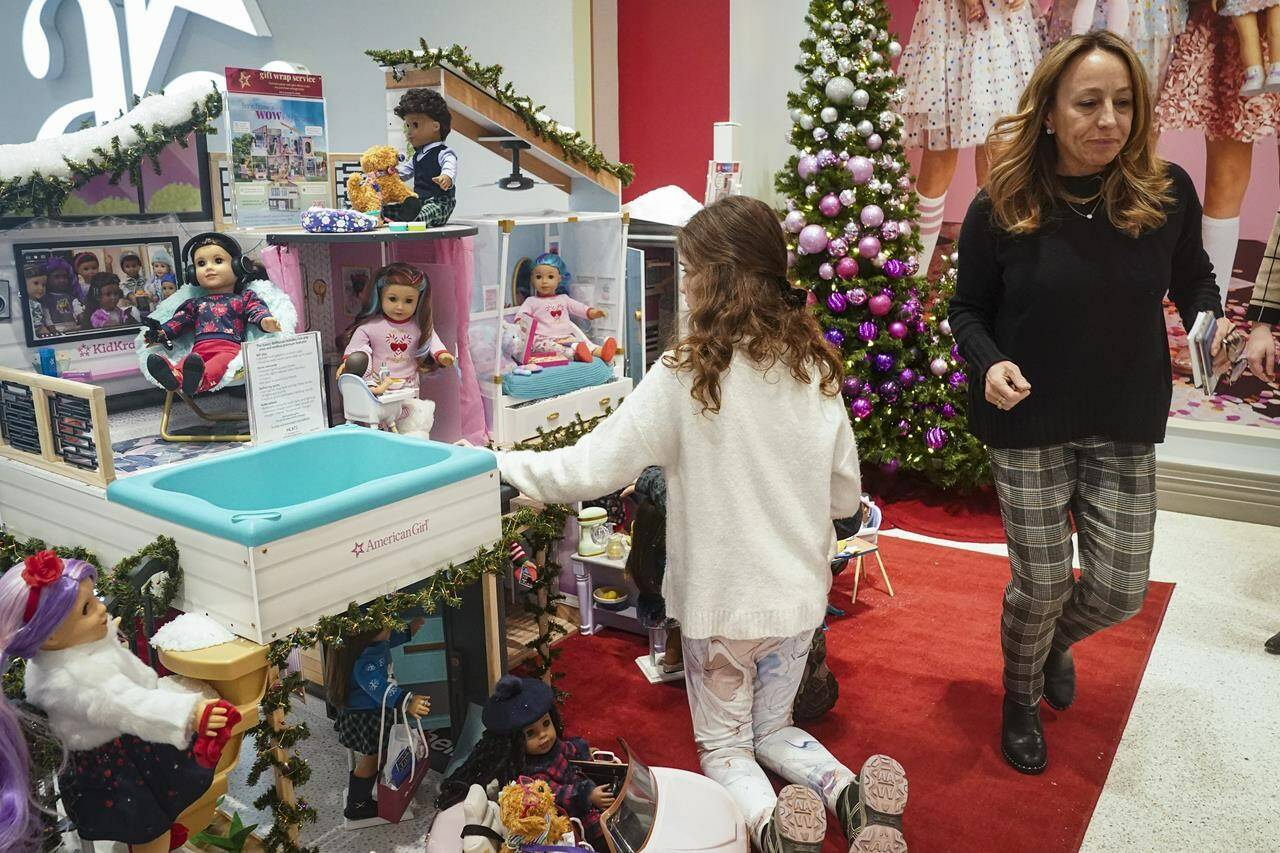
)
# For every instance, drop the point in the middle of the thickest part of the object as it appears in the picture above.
(800, 816)
(883, 786)
(879, 839)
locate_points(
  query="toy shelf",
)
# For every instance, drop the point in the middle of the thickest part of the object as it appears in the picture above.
(378, 235)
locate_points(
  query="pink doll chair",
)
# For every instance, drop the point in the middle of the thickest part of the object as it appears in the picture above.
(281, 308)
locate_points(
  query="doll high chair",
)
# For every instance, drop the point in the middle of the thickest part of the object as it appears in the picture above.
(867, 544)
(361, 406)
(281, 308)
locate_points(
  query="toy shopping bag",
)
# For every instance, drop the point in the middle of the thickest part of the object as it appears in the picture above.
(405, 767)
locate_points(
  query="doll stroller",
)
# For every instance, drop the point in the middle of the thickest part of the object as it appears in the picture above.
(281, 308)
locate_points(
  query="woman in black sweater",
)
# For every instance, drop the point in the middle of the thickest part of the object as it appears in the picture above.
(1065, 259)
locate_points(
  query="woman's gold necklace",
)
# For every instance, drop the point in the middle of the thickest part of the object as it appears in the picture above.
(1088, 215)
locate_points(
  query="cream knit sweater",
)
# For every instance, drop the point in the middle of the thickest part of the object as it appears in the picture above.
(751, 492)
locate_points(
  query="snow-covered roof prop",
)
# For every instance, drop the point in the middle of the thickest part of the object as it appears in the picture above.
(669, 205)
(189, 632)
(36, 177)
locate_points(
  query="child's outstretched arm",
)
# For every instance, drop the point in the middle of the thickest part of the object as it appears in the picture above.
(641, 432)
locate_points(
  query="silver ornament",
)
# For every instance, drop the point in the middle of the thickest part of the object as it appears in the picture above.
(874, 141)
(795, 113)
(791, 204)
(820, 75)
(848, 197)
(829, 114)
(839, 28)
(828, 55)
(844, 130)
(811, 190)
(826, 26)
(814, 102)
(847, 5)
(860, 98)
(882, 34)
(822, 46)
(851, 229)
(819, 134)
(895, 49)
(879, 259)
(839, 89)
(805, 121)
(844, 65)
(955, 258)
(888, 118)
(865, 129)
(844, 156)
(874, 57)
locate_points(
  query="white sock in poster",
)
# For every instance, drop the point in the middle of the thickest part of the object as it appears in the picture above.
(931, 210)
(1220, 237)
(1082, 19)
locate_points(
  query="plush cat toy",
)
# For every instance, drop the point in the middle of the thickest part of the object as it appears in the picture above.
(378, 184)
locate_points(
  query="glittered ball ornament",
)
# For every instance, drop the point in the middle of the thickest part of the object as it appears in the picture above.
(829, 205)
(868, 246)
(839, 90)
(860, 169)
(887, 119)
(793, 222)
(889, 231)
(857, 296)
(826, 272)
(895, 49)
(860, 407)
(936, 438)
(888, 391)
(838, 247)
(865, 128)
(871, 216)
(847, 268)
(882, 363)
(874, 142)
(890, 467)
(938, 366)
(895, 268)
(836, 301)
(907, 377)
(835, 337)
(880, 304)
(945, 326)
(829, 114)
(820, 134)
(860, 98)
(807, 167)
(820, 75)
(848, 197)
(813, 239)
(868, 331)
(910, 309)
(827, 157)
(904, 426)
(844, 131)
(948, 411)
(957, 380)
(810, 190)
(806, 122)
(851, 386)
(897, 330)
(852, 229)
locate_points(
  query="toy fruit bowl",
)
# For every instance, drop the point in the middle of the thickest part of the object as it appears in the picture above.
(611, 598)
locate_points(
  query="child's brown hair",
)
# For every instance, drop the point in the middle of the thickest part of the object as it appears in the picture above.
(740, 298)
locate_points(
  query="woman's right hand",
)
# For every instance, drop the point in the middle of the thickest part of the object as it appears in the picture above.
(1006, 386)
(1260, 351)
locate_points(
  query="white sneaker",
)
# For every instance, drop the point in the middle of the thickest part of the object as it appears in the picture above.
(1273, 79)
(1254, 82)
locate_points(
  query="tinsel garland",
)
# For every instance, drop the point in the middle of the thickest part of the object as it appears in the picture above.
(489, 77)
(36, 194)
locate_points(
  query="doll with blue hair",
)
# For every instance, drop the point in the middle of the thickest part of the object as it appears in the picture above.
(139, 749)
(548, 311)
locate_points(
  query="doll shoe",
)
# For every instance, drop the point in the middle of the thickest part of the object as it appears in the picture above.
(1272, 83)
(192, 374)
(1254, 82)
(162, 371)
(582, 352)
(608, 350)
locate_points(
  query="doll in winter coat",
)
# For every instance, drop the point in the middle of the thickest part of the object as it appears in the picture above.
(140, 749)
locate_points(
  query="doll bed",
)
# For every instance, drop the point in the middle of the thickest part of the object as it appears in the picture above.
(554, 381)
(281, 308)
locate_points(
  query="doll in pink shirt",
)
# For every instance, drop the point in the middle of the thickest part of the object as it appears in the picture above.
(556, 332)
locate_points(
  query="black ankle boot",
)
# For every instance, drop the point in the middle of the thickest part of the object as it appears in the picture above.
(192, 374)
(360, 802)
(162, 371)
(1059, 679)
(1022, 737)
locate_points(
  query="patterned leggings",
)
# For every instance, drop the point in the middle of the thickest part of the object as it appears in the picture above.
(740, 695)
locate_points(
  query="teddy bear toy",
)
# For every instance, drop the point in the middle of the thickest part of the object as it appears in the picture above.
(529, 813)
(379, 184)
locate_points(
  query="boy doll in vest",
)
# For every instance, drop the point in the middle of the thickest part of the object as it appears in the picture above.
(433, 168)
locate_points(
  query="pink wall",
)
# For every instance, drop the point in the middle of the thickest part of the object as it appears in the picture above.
(1183, 148)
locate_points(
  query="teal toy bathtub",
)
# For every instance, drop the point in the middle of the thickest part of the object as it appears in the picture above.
(273, 537)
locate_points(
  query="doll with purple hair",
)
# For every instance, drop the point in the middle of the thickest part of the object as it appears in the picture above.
(140, 749)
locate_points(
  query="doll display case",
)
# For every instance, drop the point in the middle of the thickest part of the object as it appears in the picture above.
(593, 247)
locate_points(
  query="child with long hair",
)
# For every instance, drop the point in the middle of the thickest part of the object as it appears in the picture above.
(61, 303)
(358, 683)
(745, 418)
(139, 751)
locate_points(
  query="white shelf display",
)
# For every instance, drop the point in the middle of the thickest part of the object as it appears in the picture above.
(592, 246)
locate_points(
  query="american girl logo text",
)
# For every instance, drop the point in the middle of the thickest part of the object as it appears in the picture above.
(368, 546)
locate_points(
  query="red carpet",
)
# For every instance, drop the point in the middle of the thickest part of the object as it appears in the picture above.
(920, 680)
(921, 508)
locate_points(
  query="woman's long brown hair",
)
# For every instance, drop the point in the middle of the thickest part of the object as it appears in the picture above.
(739, 298)
(338, 663)
(1023, 183)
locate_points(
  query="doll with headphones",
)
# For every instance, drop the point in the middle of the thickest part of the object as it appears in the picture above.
(219, 317)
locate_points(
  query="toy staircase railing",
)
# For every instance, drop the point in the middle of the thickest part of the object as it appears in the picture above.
(56, 424)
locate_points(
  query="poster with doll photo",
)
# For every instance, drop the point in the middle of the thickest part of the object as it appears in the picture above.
(92, 288)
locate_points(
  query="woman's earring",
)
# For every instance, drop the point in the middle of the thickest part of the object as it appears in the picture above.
(1048, 130)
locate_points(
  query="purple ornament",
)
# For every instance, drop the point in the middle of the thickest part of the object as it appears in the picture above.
(948, 411)
(856, 296)
(847, 268)
(827, 157)
(872, 216)
(874, 142)
(807, 167)
(897, 330)
(793, 221)
(836, 301)
(936, 438)
(851, 386)
(868, 331)
(868, 246)
(919, 327)
(813, 239)
(861, 168)
(835, 337)
(838, 247)
(880, 304)
(882, 363)
(904, 426)
(889, 468)
(826, 272)
(955, 353)
(957, 380)
(829, 205)
(938, 366)
(889, 391)
(860, 407)
(895, 268)
(907, 377)
(910, 309)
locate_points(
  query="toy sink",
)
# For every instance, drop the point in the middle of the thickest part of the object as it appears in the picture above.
(273, 537)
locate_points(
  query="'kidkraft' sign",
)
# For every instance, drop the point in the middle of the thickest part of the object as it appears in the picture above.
(383, 541)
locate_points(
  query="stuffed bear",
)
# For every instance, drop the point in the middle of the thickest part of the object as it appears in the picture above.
(378, 184)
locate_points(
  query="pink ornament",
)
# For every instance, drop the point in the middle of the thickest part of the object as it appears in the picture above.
(827, 157)
(874, 142)
(868, 246)
(848, 197)
(813, 239)
(847, 268)
(938, 366)
(829, 205)
(793, 222)
(861, 168)
(880, 304)
(896, 329)
(857, 296)
(872, 216)
(807, 167)
(895, 268)
(889, 231)
(944, 327)
(826, 272)
(838, 247)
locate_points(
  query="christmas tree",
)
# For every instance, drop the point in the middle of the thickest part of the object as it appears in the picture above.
(850, 227)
